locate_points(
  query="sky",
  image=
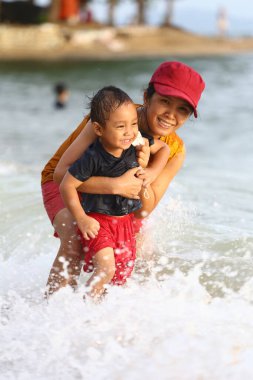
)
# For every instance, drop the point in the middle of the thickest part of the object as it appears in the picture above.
(239, 14)
(199, 16)
(195, 15)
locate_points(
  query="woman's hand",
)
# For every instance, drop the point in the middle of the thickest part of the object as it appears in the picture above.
(147, 176)
(129, 185)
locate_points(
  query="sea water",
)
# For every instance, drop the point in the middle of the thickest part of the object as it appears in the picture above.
(187, 312)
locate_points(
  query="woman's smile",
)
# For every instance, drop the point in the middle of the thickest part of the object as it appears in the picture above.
(164, 123)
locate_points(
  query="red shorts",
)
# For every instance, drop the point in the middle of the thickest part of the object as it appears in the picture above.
(117, 233)
(52, 199)
(137, 224)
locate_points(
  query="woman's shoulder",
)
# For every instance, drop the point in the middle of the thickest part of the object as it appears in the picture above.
(78, 130)
(175, 143)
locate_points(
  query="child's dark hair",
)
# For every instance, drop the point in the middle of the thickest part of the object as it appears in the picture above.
(105, 101)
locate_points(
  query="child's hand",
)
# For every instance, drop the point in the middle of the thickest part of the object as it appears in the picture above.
(89, 227)
(148, 176)
(143, 153)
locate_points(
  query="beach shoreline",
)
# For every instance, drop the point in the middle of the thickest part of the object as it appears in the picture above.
(56, 42)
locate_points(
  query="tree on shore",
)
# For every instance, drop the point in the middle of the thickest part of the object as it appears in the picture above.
(170, 6)
(111, 11)
(140, 18)
(54, 10)
(169, 12)
(141, 5)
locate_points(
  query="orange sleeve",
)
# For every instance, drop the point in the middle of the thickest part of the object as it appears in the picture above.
(48, 171)
(175, 144)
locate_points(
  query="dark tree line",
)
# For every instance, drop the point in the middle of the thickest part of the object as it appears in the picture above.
(28, 12)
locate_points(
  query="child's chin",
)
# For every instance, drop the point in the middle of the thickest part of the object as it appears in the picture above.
(126, 146)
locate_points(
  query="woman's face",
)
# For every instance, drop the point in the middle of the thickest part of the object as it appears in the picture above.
(166, 114)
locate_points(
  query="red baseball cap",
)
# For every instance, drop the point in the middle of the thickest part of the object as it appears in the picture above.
(179, 80)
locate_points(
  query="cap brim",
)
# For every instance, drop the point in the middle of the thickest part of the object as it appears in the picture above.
(170, 91)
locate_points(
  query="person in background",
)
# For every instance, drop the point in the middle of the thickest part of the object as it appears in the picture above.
(86, 15)
(61, 95)
(105, 221)
(172, 96)
(222, 22)
(69, 11)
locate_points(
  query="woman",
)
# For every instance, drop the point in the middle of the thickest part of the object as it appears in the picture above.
(171, 98)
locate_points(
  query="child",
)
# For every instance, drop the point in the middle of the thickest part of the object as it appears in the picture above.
(105, 220)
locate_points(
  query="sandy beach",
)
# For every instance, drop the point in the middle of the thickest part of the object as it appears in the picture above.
(60, 42)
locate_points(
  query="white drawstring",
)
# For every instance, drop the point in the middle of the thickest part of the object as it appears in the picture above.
(146, 194)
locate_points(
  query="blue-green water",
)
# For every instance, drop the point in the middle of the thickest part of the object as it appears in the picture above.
(193, 307)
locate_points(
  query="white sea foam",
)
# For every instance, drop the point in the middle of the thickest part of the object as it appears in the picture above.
(170, 330)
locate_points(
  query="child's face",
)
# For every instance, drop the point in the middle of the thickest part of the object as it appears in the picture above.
(120, 130)
(166, 114)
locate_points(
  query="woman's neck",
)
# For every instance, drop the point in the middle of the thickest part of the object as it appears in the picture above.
(142, 120)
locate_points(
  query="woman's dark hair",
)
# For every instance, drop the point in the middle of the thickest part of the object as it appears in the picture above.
(150, 90)
(105, 101)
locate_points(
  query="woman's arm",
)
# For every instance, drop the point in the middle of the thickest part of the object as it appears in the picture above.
(74, 151)
(127, 185)
(158, 188)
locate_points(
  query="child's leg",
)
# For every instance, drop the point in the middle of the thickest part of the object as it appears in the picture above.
(104, 270)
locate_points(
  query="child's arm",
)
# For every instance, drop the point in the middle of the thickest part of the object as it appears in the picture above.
(88, 226)
(159, 155)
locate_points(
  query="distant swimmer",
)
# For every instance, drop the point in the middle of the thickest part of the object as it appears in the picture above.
(62, 95)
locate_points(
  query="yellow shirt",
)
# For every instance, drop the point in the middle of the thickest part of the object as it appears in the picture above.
(174, 142)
